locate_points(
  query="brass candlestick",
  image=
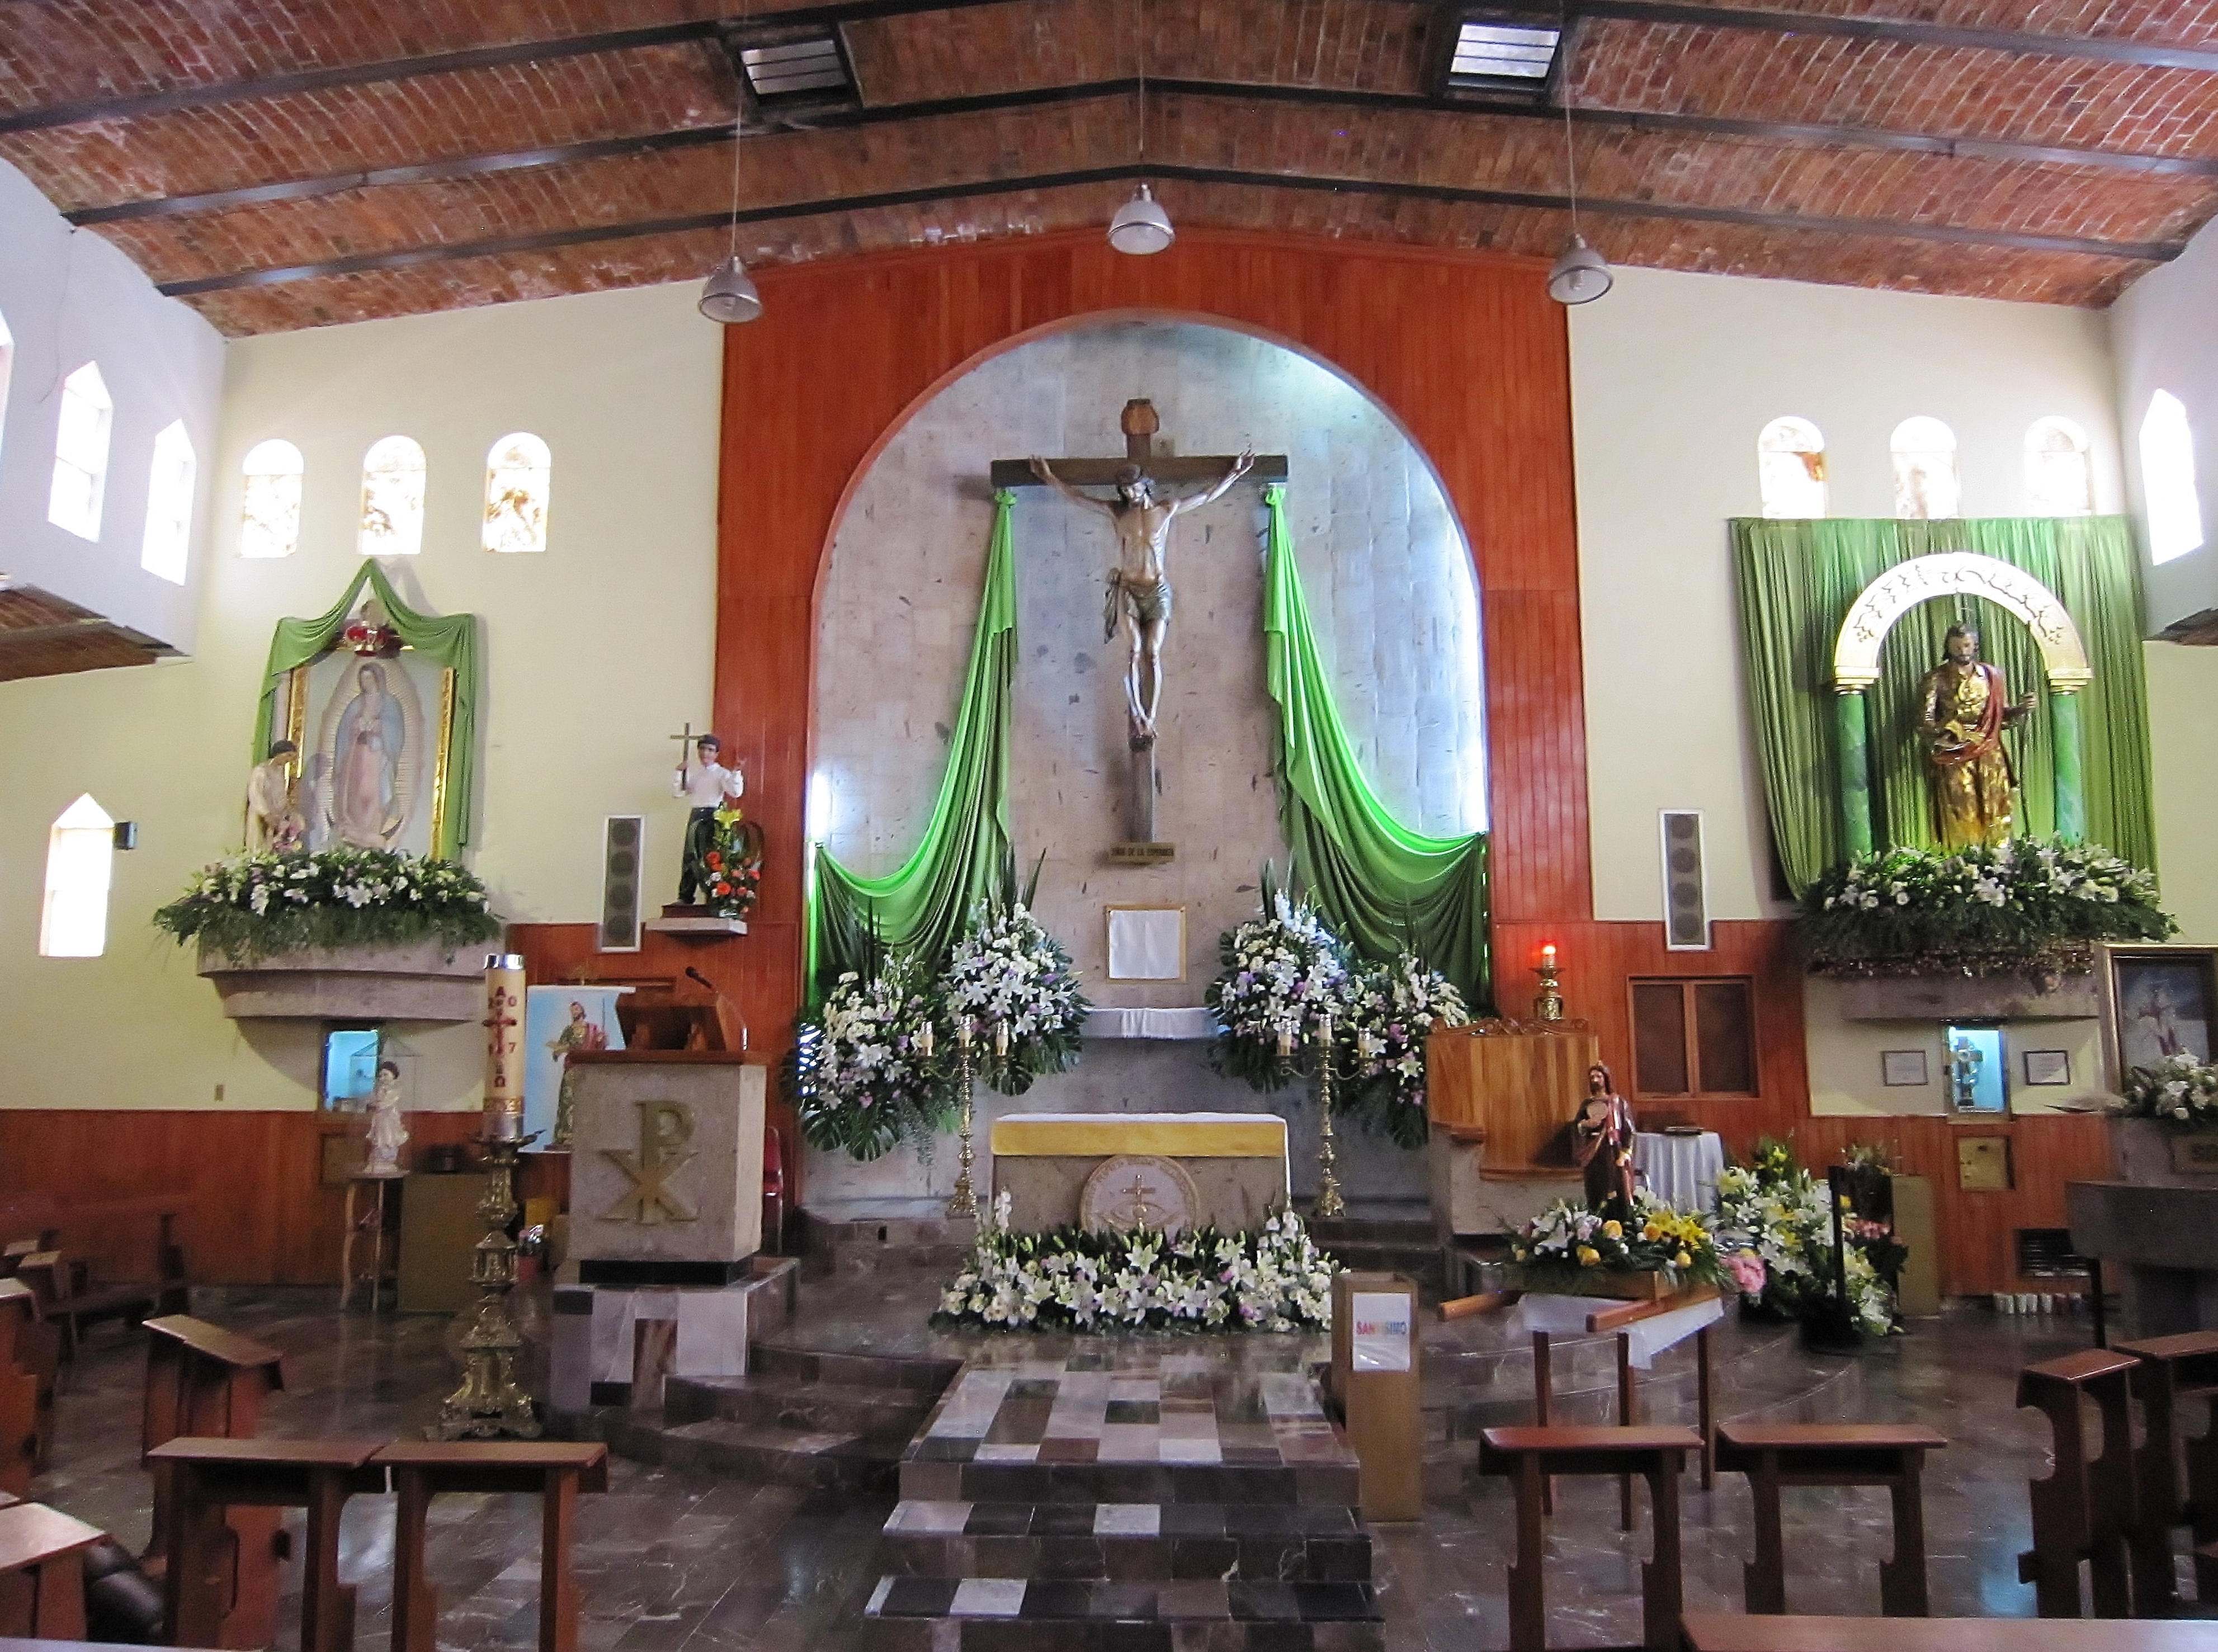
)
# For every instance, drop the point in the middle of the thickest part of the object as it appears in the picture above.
(1329, 1200)
(964, 1202)
(1549, 1005)
(489, 1404)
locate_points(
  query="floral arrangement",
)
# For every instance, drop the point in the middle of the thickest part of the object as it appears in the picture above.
(1567, 1241)
(2180, 1091)
(2029, 903)
(1007, 973)
(864, 1074)
(734, 860)
(252, 905)
(1070, 1279)
(1389, 1010)
(1774, 1225)
(1281, 972)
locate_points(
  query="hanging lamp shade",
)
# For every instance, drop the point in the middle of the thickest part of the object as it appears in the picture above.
(1140, 226)
(1581, 274)
(729, 296)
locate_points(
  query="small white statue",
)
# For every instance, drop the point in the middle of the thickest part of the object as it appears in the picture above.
(273, 818)
(387, 1132)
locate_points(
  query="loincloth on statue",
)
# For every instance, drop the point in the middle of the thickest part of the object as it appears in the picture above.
(1149, 602)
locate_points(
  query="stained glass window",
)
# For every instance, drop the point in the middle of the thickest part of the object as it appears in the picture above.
(1790, 457)
(1926, 487)
(2175, 510)
(169, 505)
(392, 498)
(81, 453)
(518, 471)
(269, 500)
(80, 852)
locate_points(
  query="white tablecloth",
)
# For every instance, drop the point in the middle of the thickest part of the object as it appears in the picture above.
(1185, 1021)
(1680, 1170)
(1645, 1339)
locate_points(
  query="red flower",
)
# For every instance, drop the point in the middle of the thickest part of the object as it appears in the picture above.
(723, 888)
(715, 861)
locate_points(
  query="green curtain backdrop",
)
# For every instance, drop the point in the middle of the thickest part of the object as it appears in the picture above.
(1376, 880)
(1797, 579)
(449, 641)
(966, 851)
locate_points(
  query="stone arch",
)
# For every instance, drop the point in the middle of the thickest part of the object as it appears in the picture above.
(1958, 573)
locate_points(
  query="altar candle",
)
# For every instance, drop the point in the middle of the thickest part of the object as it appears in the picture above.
(924, 1041)
(1548, 956)
(1285, 1039)
(1324, 1028)
(962, 1030)
(504, 1093)
(1000, 1039)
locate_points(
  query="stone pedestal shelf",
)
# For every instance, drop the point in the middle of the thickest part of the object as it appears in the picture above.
(1970, 998)
(423, 980)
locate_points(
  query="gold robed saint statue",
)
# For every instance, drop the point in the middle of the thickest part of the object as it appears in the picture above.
(1963, 707)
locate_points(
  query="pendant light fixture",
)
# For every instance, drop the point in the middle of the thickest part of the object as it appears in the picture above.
(1140, 226)
(1580, 274)
(728, 296)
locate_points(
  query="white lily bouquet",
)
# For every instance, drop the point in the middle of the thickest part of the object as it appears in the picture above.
(1391, 1008)
(867, 1077)
(2181, 1091)
(1281, 972)
(1014, 983)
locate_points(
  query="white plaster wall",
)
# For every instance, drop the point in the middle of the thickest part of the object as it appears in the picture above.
(1384, 566)
(1673, 376)
(591, 654)
(1845, 1071)
(2183, 686)
(68, 297)
(2162, 339)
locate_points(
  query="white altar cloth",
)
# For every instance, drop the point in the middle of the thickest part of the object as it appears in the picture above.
(1645, 1339)
(1680, 1170)
(1183, 1021)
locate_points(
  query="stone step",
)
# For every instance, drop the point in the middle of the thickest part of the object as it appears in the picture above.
(827, 1461)
(913, 1614)
(923, 1478)
(846, 1260)
(1126, 1541)
(800, 1403)
(923, 1376)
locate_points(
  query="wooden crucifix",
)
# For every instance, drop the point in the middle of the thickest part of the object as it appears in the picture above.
(1139, 587)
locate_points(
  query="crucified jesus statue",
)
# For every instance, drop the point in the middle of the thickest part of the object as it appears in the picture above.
(1139, 586)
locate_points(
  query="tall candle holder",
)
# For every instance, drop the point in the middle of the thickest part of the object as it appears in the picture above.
(964, 1202)
(1329, 1203)
(1549, 1005)
(489, 1402)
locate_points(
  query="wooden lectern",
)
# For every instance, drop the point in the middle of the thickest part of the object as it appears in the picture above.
(1514, 1086)
(676, 1013)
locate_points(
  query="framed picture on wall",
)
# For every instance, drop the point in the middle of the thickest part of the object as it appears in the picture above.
(1902, 1068)
(2158, 1002)
(2048, 1066)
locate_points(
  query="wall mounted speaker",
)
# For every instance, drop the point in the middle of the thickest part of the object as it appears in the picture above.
(624, 858)
(1686, 907)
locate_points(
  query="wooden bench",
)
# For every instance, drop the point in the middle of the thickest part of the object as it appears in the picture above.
(556, 1471)
(2085, 1509)
(1530, 1455)
(42, 1571)
(1892, 1455)
(209, 1382)
(2175, 1478)
(30, 1366)
(1615, 1316)
(214, 1591)
(1709, 1632)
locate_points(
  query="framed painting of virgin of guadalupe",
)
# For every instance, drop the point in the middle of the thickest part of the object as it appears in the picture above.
(373, 728)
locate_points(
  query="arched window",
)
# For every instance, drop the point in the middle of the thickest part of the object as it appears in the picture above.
(2059, 478)
(1790, 459)
(392, 497)
(7, 366)
(169, 505)
(1925, 485)
(519, 472)
(2175, 512)
(73, 923)
(81, 453)
(270, 503)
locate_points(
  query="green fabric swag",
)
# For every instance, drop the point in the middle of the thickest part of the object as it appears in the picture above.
(449, 641)
(966, 852)
(1797, 579)
(1380, 883)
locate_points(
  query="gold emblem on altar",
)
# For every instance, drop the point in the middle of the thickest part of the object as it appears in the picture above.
(1134, 1191)
(666, 1129)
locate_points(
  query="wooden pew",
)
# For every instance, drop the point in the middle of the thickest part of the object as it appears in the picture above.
(1772, 1454)
(2084, 1509)
(2175, 1478)
(1530, 1455)
(42, 1572)
(557, 1470)
(211, 1479)
(209, 1382)
(30, 1365)
(1717, 1631)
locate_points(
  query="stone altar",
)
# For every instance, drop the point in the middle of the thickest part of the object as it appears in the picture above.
(1235, 1162)
(665, 1171)
(2154, 1244)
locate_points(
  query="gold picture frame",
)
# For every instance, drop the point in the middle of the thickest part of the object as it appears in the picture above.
(2155, 995)
(308, 714)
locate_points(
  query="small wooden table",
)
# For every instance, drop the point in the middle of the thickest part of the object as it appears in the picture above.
(557, 1470)
(2085, 1509)
(42, 1571)
(1892, 1455)
(384, 1257)
(2173, 1369)
(1715, 1631)
(1530, 1455)
(208, 1604)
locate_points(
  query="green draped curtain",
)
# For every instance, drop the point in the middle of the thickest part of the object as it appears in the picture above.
(449, 641)
(1380, 883)
(966, 851)
(1797, 580)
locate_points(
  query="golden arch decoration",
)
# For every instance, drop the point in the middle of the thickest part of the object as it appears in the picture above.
(1958, 573)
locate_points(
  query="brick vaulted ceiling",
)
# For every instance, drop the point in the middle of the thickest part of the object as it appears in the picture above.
(287, 165)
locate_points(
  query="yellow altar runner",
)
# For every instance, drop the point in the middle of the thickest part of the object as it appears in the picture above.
(1174, 1135)
(1230, 1168)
